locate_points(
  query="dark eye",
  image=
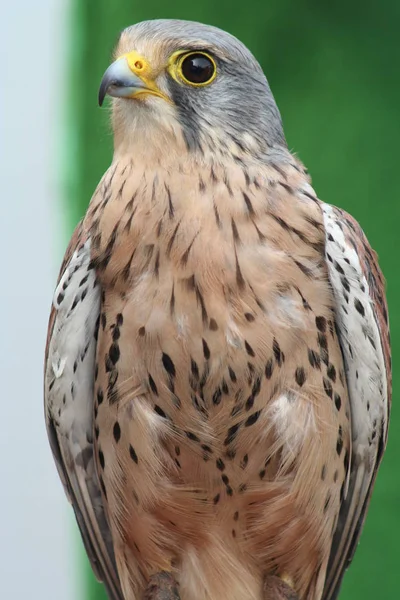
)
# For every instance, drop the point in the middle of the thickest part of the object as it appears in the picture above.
(198, 68)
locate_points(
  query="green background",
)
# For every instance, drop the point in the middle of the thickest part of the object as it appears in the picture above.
(334, 71)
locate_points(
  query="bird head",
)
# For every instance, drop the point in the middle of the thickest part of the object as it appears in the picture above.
(184, 84)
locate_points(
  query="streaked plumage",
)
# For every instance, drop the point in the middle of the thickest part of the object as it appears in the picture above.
(217, 381)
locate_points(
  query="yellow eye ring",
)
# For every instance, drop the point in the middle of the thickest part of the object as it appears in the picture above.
(196, 68)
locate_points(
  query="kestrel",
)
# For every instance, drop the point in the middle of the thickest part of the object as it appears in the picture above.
(217, 378)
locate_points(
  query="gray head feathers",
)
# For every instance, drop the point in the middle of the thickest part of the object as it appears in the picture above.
(237, 108)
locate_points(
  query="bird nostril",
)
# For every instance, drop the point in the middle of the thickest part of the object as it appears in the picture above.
(139, 65)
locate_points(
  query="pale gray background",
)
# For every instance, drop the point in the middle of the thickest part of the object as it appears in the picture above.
(37, 537)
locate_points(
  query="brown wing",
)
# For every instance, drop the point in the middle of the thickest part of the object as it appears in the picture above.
(362, 325)
(68, 393)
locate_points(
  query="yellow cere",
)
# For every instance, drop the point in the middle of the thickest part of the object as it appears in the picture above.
(142, 68)
(137, 64)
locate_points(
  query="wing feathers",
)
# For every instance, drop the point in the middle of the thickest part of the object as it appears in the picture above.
(361, 315)
(69, 382)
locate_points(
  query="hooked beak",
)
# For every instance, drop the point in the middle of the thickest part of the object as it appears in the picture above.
(127, 77)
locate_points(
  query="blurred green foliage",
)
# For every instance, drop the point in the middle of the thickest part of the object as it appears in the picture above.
(333, 68)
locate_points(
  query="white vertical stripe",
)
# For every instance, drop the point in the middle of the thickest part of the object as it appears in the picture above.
(37, 546)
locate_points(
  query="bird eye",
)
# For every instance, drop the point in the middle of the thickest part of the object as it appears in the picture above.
(197, 68)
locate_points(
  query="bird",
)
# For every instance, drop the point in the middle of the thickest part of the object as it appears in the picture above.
(217, 375)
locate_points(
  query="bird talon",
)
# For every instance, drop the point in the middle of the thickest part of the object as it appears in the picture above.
(162, 586)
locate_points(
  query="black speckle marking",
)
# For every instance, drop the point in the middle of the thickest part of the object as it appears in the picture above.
(322, 341)
(206, 448)
(244, 461)
(108, 364)
(300, 376)
(239, 276)
(252, 419)
(160, 411)
(217, 397)
(335, 476)
(152, 385)
(170, 204)
(172, 302)
(194, 369)
(331, 372)
(236, 516)
(279, 356)
(235, 232)
(232, 375)
(60, 298)
(206, 350)
(338, 268)
(177, 450)
(225, 479)
(339, 443)
(327, 502)
(303, 268)
(249, 317)
(314, 359)
(248, 203)
(220, 464)
(116, 334)
(321, 324)
(114, 353)
(117, 431)
(345, 284)
(254, 393)
(242, 488)
(232, 432)
(338, 400)
(216, 214)
(323, 473)
(168, 365)
(359, 307)
(192, 436)
(213, 325)
(100, 396)
(269, 368)
(216, 499)
(142, 331)
(233, 533)
(101, 459)
(327, 387)
(249, 349)
(249, 402)
(262, 474)
(133, 454)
